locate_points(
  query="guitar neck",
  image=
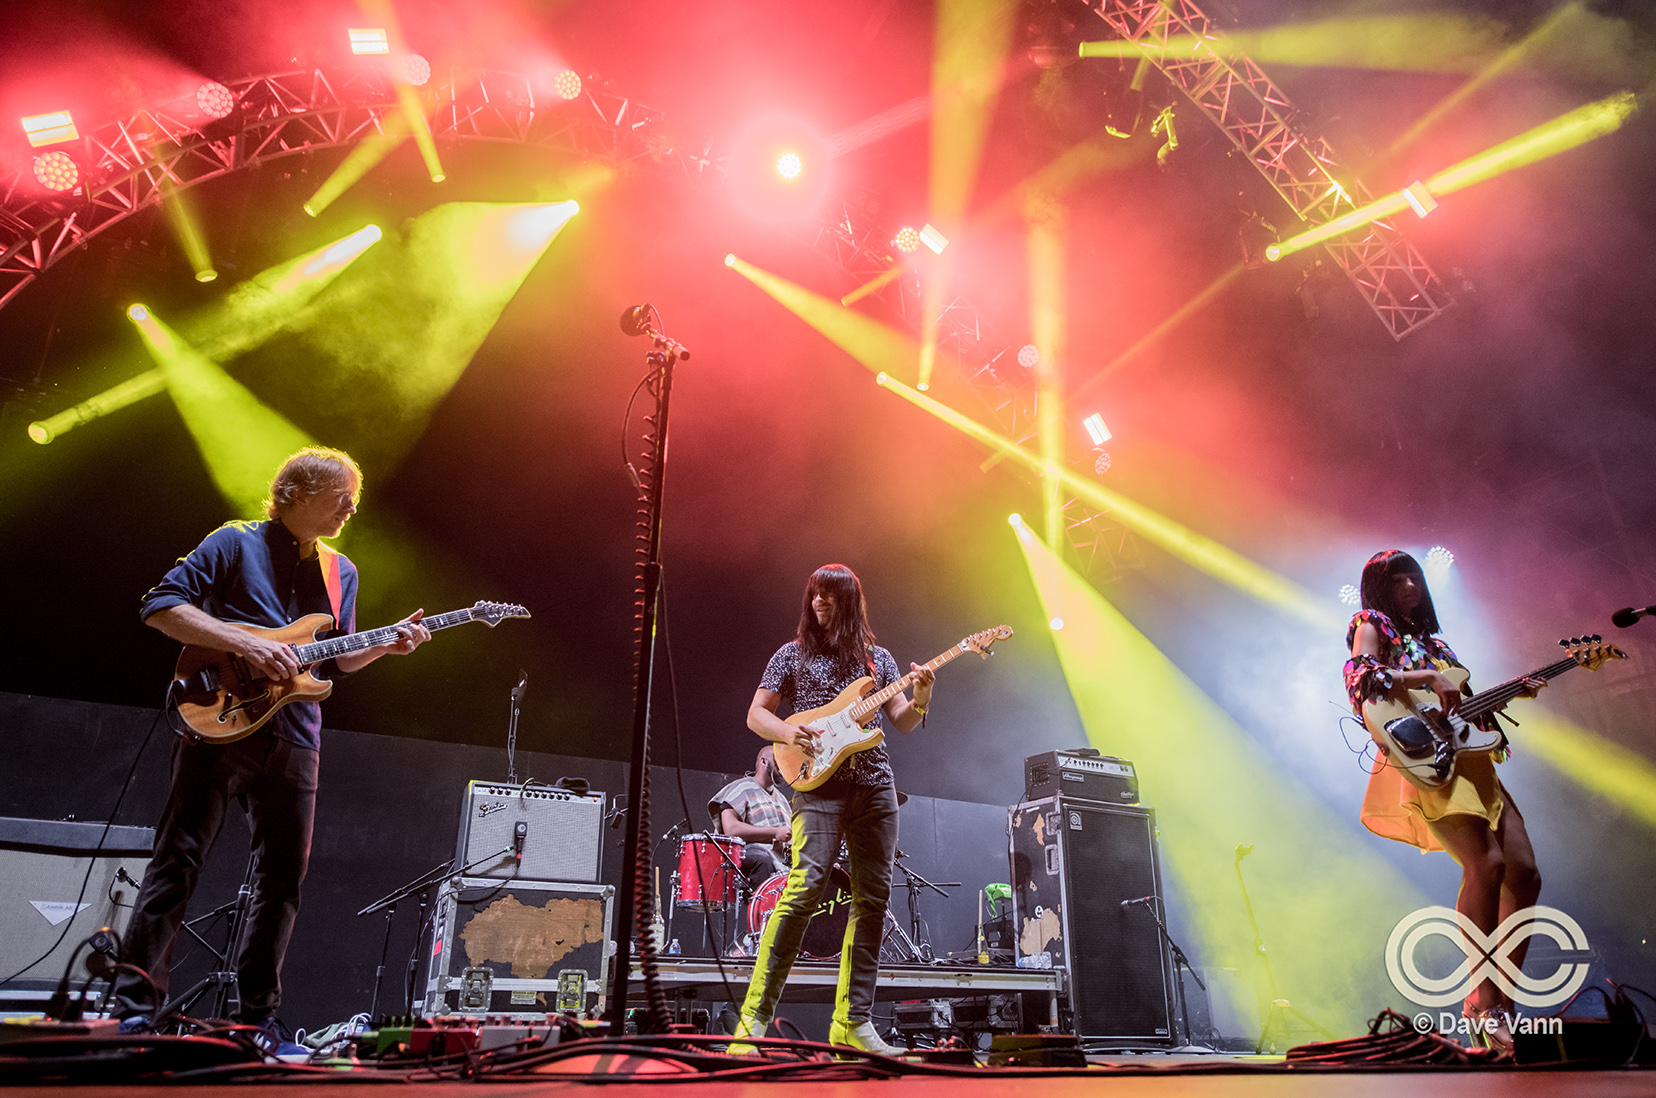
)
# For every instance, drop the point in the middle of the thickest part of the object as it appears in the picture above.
(334, 647)
(1496, 696)
(861, 711)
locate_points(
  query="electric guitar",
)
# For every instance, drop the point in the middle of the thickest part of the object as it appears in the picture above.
(841, 720)
(219, 696)
(1424, 743)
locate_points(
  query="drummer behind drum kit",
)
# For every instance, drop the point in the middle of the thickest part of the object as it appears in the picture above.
(709, 878)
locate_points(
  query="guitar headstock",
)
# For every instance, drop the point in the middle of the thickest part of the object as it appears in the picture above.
(1591, 652)
(493, 613)
(982, 642)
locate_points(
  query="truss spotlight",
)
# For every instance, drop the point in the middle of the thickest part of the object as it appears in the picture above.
(214, 99)
(1164, 124)
(567, 84)
(1015, 519)
(1349, 595)
(730, 259)
(1096, 430)
(1028, 356)
(368, 40)
(416, 69)
(1101, 463)
(906, 239)
(138, 313)
(49, 129)
(1419, 198)
(788, 165)
(56, 170)
(39, 433)
(1437, 562)
(206, 274)
(1056, 623)
(933, 239)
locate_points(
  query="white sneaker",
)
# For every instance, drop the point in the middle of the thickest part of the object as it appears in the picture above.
(747, 1026)
(860, 1035)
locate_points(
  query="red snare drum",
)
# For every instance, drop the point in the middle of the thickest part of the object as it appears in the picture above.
(826, 932)
(709, 866)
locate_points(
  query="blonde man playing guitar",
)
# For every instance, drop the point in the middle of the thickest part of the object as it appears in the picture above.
(832, 649)
(262, 574)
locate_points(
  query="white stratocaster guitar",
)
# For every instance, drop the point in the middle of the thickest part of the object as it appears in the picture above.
(1424, 743)
(842, 719)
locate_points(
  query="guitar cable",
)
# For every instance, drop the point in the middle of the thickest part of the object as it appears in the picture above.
(92, 858)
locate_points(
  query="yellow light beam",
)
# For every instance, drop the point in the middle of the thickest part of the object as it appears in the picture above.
(188, 230)
(873, 285)
(1322, 893)
(372, 149)
(871, 343)
(1044, 216)
(1625, 778)
(1563, 133)
(1177, 317)
(970, 43)
(381, 12)
(1200, 552)
(240, 439)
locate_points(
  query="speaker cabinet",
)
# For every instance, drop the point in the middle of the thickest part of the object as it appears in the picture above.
(42, 865)
(1074, 864)
(561, 833)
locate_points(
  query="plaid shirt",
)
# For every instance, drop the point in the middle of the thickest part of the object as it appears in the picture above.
(752, 803)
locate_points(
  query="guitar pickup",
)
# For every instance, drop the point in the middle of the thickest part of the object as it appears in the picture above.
(204, 681)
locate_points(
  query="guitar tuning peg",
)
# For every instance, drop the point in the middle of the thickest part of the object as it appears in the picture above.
(1564, 644)
(1597, 639)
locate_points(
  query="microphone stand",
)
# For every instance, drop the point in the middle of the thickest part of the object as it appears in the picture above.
(1282, 1011)
(920, 950)
(1179, 959)
(664, 353)
(511, 728)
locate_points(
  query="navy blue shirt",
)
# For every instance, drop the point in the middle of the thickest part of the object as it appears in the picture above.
(250, 573)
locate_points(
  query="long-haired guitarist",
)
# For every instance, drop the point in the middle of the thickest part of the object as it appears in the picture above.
(265, 574)
(1395, 647)
(833, 648)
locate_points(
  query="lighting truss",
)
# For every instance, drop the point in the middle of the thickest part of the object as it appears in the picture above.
(135, 162)
(1237, 96)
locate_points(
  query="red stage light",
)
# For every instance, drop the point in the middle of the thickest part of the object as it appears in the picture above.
(788, 165)
(368, 40)
(1028, 356)
(906, 240)
(567, 84)
(416, 69)
(214, 99)
(49, 129)
(56, 171)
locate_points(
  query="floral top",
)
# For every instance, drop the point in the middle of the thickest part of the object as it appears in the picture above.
(1368, 677)
(809, 685)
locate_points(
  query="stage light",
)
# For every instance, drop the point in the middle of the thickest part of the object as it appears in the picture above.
(1419, 198)
(1014, 518)
(39, 433)
(369, 40)
(1438, 560)
(1096, 430)
(416, 69)
(1101, 463)
(730, 260)
(1056, 624)
(567, 84)
(214, 99)
(1349, 595)
(49, 129)
(933, 239)
(788, 165)
(56, 170)
(906, 239)
(137, 313)
(1028, 356)
(206, 275)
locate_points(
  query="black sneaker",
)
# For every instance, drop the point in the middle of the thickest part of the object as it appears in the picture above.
(136, 1023)
(275, 1039)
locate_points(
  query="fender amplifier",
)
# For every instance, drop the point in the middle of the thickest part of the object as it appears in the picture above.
(1080, 774)
(559, 833)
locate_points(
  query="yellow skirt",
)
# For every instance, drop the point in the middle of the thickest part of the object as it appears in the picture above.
(1395, 809)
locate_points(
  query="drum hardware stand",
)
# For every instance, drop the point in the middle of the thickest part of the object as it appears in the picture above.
(388, 904)
(919, 949)
(223, 978)
(1153, 905)
(1283, 1014)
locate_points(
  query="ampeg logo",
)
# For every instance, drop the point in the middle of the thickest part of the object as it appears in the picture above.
(1487, 957)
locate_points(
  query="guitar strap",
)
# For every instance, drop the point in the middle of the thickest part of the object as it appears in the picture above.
(329, 560)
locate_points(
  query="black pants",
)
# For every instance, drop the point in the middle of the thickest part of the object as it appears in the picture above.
(275, 781)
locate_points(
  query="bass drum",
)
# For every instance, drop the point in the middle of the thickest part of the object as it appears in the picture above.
(826, 933)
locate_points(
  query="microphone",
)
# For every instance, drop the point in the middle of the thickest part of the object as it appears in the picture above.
(522, 687)
(635, 319)
(124, 877)
(1141, 900)
(520, 835)
(1621, 619)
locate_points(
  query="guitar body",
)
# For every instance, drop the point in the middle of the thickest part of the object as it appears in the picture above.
(841, 738)
(1423, 743)
(220, 697)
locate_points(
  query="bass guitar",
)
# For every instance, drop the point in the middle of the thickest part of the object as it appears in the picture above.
(219, 696)
(1423, 742)
(842, 719)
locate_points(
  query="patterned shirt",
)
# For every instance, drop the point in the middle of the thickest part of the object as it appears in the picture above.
(820, 682)
(1368, 677)
(752, 803)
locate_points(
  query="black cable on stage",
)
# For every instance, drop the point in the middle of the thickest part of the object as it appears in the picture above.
(92, 858)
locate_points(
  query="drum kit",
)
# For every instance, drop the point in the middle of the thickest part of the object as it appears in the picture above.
(709, 879)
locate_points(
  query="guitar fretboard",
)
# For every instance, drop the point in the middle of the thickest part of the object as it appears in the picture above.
(334, 647)
(861, 710)
(1496, 696)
